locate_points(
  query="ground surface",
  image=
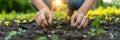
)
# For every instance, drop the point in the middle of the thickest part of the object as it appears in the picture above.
(63, 31)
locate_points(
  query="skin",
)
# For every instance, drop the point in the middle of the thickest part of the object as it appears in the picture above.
(78, 19)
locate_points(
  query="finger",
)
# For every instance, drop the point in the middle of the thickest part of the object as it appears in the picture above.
(73, 19)
(42, 24)
(43, 19)
(47, 16)
(86, 23)
(45, 22)
(78, 21)
(38, 19)
(50, 19)
(82, 22)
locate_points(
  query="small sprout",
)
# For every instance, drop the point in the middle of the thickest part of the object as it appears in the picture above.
(30, 20)
(95, 23)
(100, 30)
(41, 38)
(24, 21)
(110, 19)
(90, 18)
(117, 20)
(106, 18)
(13, 33)
(0, 21)
(54, 37)
(7, 38)
(59, 27)
(55, 22)
(91, 32)
(18, 21)
(6, 23)
(10, 34)
(103, 21)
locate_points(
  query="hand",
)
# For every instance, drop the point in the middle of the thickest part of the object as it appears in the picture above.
(79, 20)
(44, 17)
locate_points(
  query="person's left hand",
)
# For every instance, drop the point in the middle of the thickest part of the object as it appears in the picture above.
(79, 20)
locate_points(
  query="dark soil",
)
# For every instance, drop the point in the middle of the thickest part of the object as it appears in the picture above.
(66, 32)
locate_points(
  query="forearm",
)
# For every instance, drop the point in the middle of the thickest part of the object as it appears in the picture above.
(86, 6)
(39, 4)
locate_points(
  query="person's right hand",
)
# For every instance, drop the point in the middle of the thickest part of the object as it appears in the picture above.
(44, 17)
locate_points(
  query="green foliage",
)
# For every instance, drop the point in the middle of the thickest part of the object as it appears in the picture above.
(100, 30)
(17, 5)
(15, 15)
(59, 27)
(96, 21)
(95, 24)
(102, 21)
(13, 33)
(54, 37)
(91, 32)
(10, 34)
(41, 38)
(117, 20)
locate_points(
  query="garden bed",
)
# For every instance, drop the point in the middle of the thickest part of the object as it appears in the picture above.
(99, 28)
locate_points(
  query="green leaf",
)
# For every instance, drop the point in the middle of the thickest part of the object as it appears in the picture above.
(59, 27)
(54, 37)
(13, 33)
(102, 21)
(95, 23)
(41, 38)
(100, 30)
(55, 22)
(91, 32)
(96, 17)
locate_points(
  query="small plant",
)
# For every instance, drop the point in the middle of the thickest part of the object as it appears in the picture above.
(54, 37)
(6, 23)
(41, 38)
(95, 24)
(92, 32)
(10, 34)
(13, 33)
(0, 22)
(117, 20)
(17, 21)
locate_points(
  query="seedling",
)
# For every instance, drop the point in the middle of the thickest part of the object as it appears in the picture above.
(0, 22)
(117, 20)
(13, 33)
(92, 32)
(54, 37)
(17, 21)
(41, 38)
(6, 23)
(58, 22)
(95, 24)
(10, 34)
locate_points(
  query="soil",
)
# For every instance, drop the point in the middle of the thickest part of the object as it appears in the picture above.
(66, 32)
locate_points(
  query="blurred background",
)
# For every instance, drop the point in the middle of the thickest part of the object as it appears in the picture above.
(22, 9)
(24, 5)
